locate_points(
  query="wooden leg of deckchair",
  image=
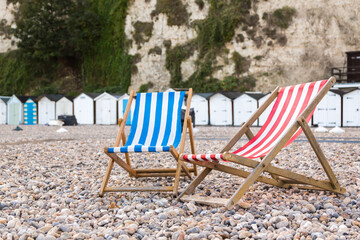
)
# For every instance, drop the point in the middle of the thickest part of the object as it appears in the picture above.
(127, 156)
(244, 187)
(122, 164)
(192, 144)
(176, 156)
(287, 176)
(319, 153)
(177, 178)
(106, 177)
(190, 189)
(249, 134)
(254, 175)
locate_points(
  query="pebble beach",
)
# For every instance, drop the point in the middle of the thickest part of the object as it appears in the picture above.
(50, 182)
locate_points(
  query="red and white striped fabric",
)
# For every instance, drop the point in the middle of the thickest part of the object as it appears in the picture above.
(290, 103)
(203, 157)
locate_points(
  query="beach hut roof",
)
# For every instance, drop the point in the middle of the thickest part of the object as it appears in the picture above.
(23, 99)
(229, 94)
(52, 97)
(255, 95)
(343, 91)
(68, 98)
(115, 95)
(92, 95)
(4, 99)
(205, 95)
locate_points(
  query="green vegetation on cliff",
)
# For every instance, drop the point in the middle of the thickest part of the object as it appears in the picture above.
(213, 33)
(67, 46)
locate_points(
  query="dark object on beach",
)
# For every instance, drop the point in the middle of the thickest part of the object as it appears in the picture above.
(69, 120)
(17, 128)
(191, 114)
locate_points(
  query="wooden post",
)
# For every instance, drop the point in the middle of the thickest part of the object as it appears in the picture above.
(117, 144)
(195, 182)
(319, 153)
(192, 144)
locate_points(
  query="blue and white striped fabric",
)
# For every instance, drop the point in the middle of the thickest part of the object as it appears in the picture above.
(156, 124)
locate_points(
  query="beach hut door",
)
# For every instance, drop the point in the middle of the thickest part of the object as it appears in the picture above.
(332, 111)
(105, 115)
(14, 113)
(352, 109)
(2, 113)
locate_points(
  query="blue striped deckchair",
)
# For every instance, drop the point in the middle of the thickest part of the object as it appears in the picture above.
(156, 127)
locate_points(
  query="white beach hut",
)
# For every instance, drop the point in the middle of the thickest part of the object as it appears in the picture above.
(15, 110)
(3, 109)
(47, 107)
(264, 116)
(106, 108)
(221, 108)
(84, 108)
(244, 106)
(170, 90)
(64, 106)
(328, 111)
(200, 103)
(351, 108)
(122, 103)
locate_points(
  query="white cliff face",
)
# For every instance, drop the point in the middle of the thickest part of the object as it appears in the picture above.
(7, 17)
(317, 39)
(151, 67)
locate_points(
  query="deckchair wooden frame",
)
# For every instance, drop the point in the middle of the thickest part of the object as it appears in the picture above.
(180, 170)
(279, 177)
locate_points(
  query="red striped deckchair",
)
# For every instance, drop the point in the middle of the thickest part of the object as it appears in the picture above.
(156, 127)
(289, 116)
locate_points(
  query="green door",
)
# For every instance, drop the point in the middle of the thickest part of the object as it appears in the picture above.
(14, 113)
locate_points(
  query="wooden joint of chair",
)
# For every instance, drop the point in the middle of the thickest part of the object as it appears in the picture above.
(226, 155)
(120, 121)
(106, 150)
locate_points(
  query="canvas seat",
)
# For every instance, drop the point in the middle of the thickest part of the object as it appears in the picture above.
(156, 127)
(289, 116)
(139, 148)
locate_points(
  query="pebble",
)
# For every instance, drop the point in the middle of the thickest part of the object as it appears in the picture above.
(244, 234)
(192, 208)
(244, 205)
(51, 192)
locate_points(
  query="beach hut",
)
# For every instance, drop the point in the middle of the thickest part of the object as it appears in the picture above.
(122, 103)
(64, 106)
(47, 106)
(244, 106)
(3, 109)
(15, 109)
(351, 108)
(106, 108)
(30, 111)
(200, 103)
(221, 111)
(84, 108)
(328, 112)
(170, 90)
(266, 113)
